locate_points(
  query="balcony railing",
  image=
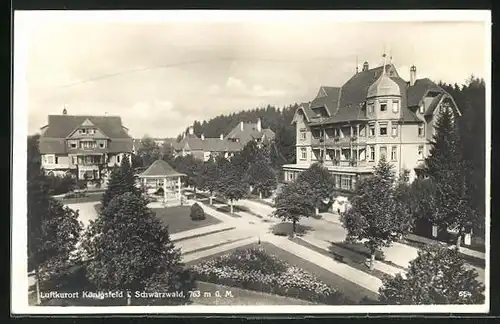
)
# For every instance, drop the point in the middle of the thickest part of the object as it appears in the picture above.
(332, 141)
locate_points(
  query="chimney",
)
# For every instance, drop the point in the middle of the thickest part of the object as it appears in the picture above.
(221, 136)
(65, 112)
(241, 126)
(191, 130)
(259, 125)
(413, 75)
(202, 137)
(365, 66)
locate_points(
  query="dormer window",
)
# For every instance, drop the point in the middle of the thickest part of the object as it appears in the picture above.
(83, 131)
(421, 109)
(91, 131)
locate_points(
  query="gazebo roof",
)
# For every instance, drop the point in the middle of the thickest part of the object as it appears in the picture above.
(160, 169)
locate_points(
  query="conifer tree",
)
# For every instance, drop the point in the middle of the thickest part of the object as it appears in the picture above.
(122, 180)
(446, 167)
(53, 230)
(130, 250)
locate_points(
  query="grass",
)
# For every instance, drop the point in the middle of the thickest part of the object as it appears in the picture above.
(177, 219)
(286, 229)
(351, 258)
(239, 296)
(347, 288)
(90, 197)
(481, 263)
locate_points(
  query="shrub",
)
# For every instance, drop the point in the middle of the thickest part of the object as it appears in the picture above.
(242, 269)
(197, 212)
(60, 185)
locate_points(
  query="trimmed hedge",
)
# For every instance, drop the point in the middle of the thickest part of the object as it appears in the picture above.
(197, 213)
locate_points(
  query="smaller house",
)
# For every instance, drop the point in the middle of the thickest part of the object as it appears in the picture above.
(246, 132)
(203, 148)
(160, 175)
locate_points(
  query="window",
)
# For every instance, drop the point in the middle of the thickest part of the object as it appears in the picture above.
(346, 182)
(421, 109)
(370, 108)
(87, 144)
(83, 131)
(394, 153)
(395, 106)
(420, 152)
(50, 159)
(74, 160)
(372, 130)
(372, 153)
(303, 153)
(91, 131)
(383, 106)
(72, 144)
(56, 160)
(383, 130)
(303, 135)
(102, 144)
(420, 130)
(118, 158)
(394, 130)
(383, 152)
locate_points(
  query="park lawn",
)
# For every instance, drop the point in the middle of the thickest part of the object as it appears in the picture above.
(347, 288)
(238, 296)
(178, 220)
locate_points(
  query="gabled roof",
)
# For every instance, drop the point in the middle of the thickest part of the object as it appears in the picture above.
(208, 145)
(348, 102)
(160, 168)
(58, 146)
(434, 103)
(249, 132)
(417, 91)
(60, 126)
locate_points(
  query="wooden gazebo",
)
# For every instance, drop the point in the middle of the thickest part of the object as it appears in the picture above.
(161, 175)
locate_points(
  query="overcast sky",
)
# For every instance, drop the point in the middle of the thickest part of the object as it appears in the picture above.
(162, 76)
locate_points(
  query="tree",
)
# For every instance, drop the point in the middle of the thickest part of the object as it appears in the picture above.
(249, 154)
(470, 98)
(375, 214)
(293, 202)
(437, 276)
(261, 176)
(53, 230)
(129, 250)
(420, 196)
(209, 177)
(122, 180)
(320, 181)
(231, 185)
(446, 167)
(149, 151)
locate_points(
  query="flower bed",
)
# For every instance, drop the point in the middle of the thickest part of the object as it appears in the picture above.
(256, 270)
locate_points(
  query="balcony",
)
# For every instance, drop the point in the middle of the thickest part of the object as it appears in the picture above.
(340, 142)
(58, 166)
(350, 166)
